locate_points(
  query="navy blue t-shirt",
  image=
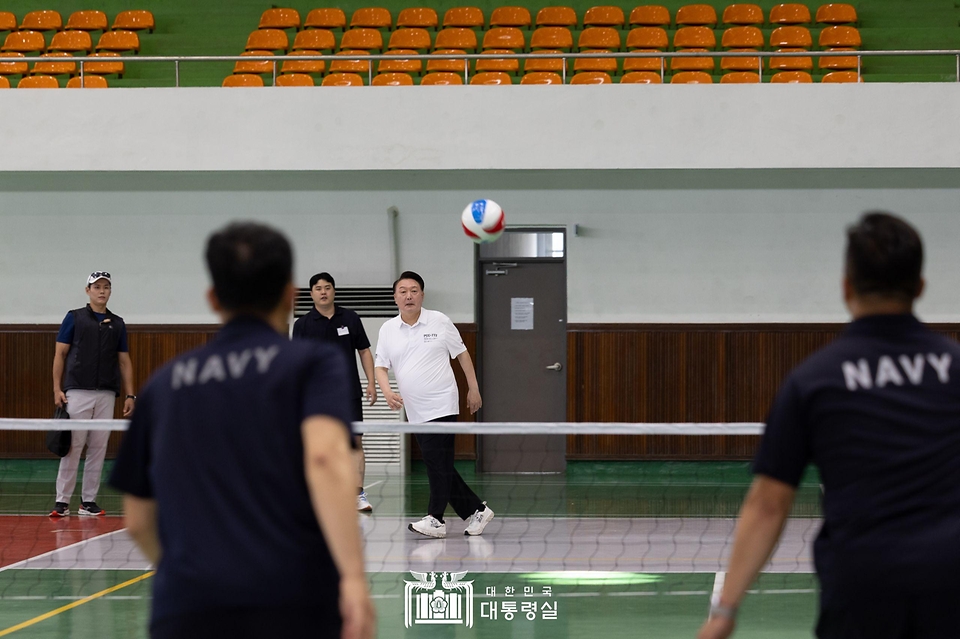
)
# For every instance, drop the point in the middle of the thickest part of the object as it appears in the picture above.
(216, 441)
(878, 412)
(344, 329)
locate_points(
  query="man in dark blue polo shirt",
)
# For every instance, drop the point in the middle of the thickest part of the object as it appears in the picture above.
(330, 322)
(878, 412)
(236, 469)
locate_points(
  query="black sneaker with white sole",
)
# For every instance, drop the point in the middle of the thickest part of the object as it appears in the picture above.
(90, 509)
(59, 510)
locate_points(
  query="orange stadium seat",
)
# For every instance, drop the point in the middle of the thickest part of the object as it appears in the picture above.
(600, 65)
(87, 82)
(791, 77)
(4, 83)
(741, 77)
(541, 77)
(38, 82)
(371, 18)
(363, 38)
(12, 68)
(25, 42)
(464, 17)
(342, 80)
(418, 18)
(507, 65)
(839, 36)
(355, 65)
(552, 38)
(743, 14)
(591, 77)
(448, 65)
(651, 15)
(44, 66)
(557, 17)
(491, 77)
(441, 78)
(105, 68)
(87, 21)
(315, 40)
(400, 65)
(243, 80)
(504, 38)
(511, 17)
(73, 41)
(641, 77)
(790, 14)
(791, 39)
(691, 77)
(544, 64)
(842, 76)
(42, 21)
(456, 38)
(325, 19)
(294, 80)
(8, 21)
(122, 41)
(410, 38)
(254, 66)
(393, 80)
(603, 16)
(744, 38)
(138, 20)
(693, 39)
(837, 14)
(695, 15)
(605, 38)
(647, 40)
(304, 66)
(279, 19)
(260, 40)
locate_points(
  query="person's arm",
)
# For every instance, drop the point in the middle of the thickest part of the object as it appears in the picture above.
(59, 363)
(332, 481)
(126, 374)
(473, 388)
(366, 360)
(140, 518)
(394, 401)
(762, 517)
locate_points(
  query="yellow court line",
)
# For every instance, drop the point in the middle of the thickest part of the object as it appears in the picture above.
(79, 602)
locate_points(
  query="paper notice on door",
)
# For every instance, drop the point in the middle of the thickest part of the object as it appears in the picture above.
(521, 313)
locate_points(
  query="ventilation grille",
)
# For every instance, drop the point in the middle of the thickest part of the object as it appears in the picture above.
(382, 448)
(366, 301)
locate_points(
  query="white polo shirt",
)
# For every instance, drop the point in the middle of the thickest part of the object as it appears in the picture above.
(420, 358)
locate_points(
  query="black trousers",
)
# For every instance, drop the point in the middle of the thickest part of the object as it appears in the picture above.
(892, 615)
(251, 623)
(446, 484)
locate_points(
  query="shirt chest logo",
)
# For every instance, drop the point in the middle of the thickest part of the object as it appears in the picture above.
(343, 330)
(430, 337)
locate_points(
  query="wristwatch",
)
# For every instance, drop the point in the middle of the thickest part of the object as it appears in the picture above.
(131, 397)
(719, 610)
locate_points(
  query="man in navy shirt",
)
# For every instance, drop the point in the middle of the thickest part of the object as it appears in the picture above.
(878, 412)
(236, 469)
(330, 322)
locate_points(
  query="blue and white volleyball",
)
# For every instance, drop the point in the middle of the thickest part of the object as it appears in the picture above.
(483, 221)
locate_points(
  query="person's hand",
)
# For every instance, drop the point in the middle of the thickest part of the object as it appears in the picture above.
(372, 393)
(473, 401)
(356, 608)
(394, 401)
(59, 398)
(716, 627)
(128, 406)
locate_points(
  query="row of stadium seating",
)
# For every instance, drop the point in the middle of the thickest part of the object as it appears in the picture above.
(50, 82)
(500, 78)
(556, 16)
(50, 20)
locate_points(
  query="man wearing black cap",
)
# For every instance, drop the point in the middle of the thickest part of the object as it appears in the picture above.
(90, 363)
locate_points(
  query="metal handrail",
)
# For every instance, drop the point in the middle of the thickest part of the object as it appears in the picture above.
(466, 57)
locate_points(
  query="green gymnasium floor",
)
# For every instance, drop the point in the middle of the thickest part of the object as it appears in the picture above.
(624, 549)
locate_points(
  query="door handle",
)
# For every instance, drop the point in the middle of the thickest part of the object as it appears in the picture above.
(555, 367)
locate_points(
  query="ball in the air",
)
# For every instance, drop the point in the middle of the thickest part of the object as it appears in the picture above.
(483, 221)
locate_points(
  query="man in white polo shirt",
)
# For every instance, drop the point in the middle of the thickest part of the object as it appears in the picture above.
(418, 345)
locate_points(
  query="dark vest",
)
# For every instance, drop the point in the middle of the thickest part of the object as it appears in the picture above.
(92, 363)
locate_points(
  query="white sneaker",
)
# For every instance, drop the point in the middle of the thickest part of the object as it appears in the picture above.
(362, 504)
(478, 521)
(430, 527)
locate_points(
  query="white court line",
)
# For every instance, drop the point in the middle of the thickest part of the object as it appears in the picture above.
(718, 584)
(376, 483)
(56, 550)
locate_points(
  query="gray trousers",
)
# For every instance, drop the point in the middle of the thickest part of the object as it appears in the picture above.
(85, 404)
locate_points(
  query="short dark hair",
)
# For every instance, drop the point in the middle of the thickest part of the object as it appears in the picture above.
(409, 275)
(326, 277)
(884, 256)
(250, 265)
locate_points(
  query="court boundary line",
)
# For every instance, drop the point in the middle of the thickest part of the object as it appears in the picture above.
(55, 550)
(71, 606)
